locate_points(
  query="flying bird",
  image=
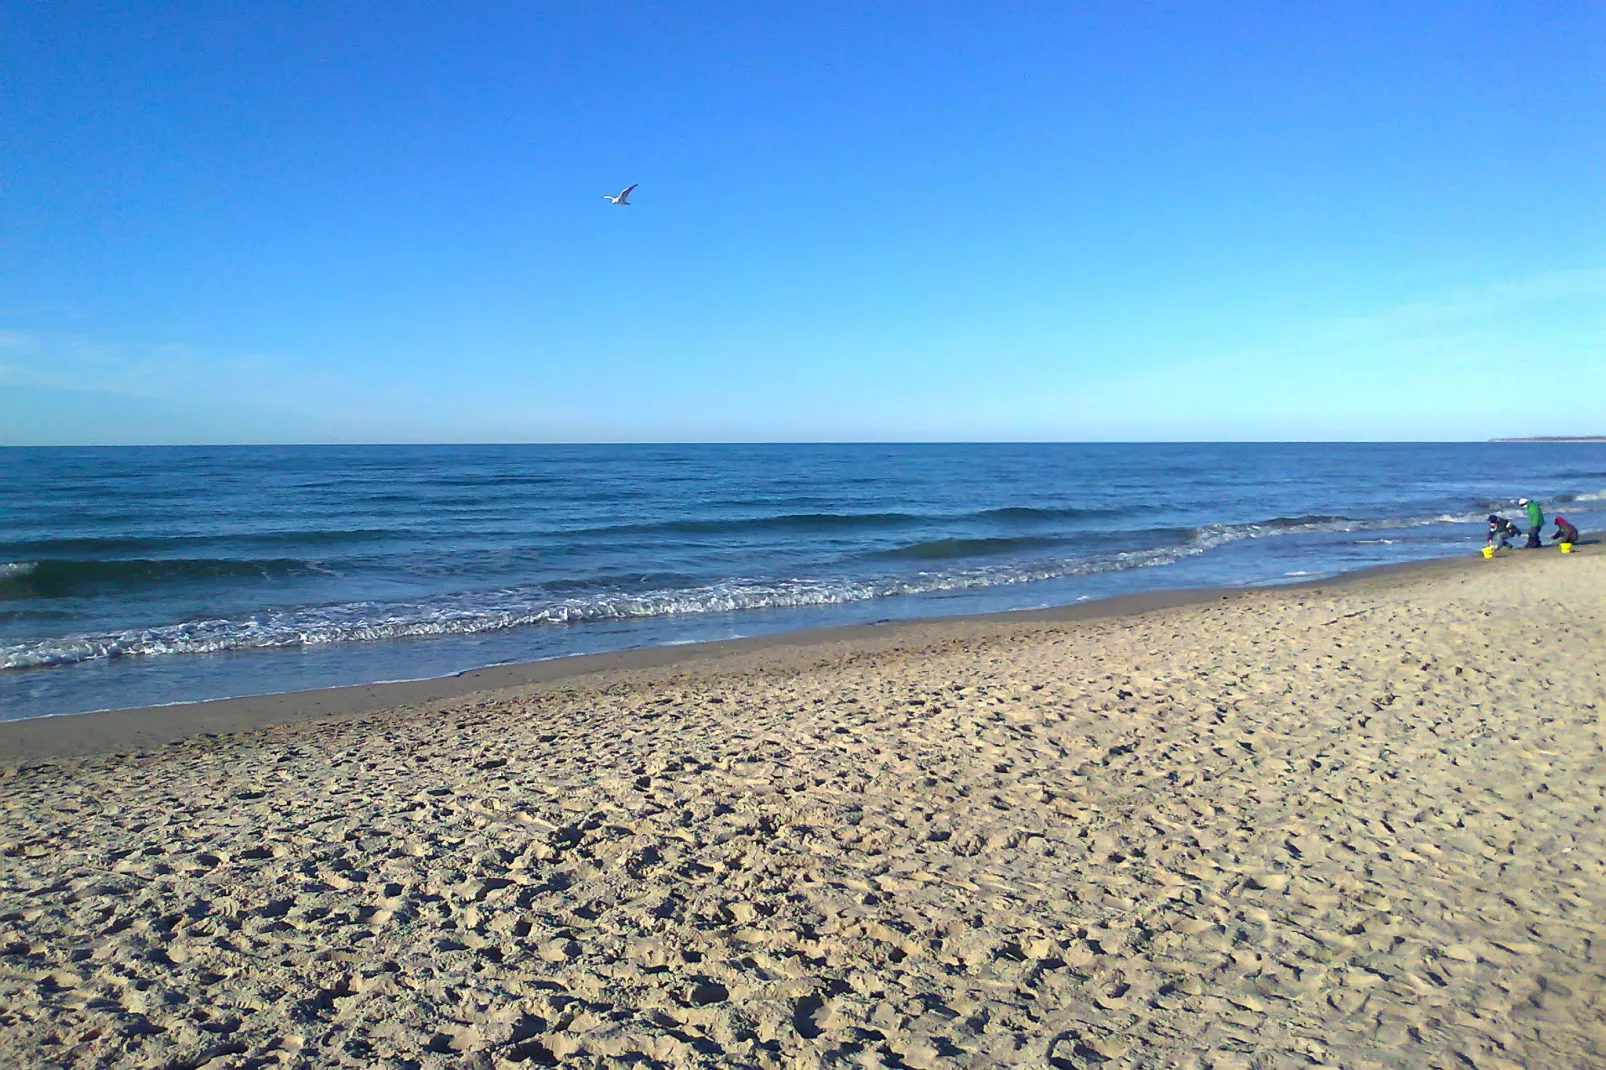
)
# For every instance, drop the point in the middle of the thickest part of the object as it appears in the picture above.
(623, 198)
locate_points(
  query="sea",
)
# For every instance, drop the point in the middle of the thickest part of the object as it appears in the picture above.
(144, 576)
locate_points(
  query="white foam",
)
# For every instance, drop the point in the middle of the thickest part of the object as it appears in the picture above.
(473, 613)
(1216, 535)
(470, 614)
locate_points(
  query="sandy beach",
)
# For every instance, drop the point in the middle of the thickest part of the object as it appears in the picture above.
(1355, 824)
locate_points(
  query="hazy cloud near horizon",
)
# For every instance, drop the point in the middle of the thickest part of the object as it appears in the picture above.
(1355, 377)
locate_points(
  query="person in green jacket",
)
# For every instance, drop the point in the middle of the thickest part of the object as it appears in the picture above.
(1536, 522)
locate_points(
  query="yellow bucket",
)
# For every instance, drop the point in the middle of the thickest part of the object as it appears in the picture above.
(1566, 547)
(1488, 551)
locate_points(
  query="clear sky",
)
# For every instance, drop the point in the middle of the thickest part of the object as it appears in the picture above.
(383, 221)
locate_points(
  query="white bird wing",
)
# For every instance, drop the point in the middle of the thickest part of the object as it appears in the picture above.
(627, 192)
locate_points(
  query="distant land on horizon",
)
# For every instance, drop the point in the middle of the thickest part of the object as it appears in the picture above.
(1554, 438)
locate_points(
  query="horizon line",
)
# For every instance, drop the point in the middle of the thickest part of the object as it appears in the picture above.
(1539, 439)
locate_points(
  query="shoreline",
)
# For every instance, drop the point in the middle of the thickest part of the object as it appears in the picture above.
(1350, 824)
(114, 731)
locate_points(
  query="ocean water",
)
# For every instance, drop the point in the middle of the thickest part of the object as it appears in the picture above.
(139, 576)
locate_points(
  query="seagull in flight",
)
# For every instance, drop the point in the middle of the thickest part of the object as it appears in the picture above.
(623, 198)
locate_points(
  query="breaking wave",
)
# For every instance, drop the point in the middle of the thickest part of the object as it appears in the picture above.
(1028, 513)
(495, 611)
(783, 522)
(161, 545)
(803, 522)
(948, 549)
(62, 579)
(566, 602)
(1215, 535)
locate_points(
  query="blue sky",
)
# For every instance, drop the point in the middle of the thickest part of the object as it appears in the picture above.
(383, 222)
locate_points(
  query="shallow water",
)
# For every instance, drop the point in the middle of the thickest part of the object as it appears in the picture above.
(136, 576)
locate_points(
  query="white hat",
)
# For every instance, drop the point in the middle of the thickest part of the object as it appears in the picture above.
(1522, 501)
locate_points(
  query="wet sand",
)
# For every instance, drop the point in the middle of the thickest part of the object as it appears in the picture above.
(1354, 824)
(124, 730)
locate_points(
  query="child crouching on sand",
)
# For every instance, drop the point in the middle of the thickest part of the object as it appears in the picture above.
(1501, 532)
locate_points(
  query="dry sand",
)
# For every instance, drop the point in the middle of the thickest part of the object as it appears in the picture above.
(1358, 825)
